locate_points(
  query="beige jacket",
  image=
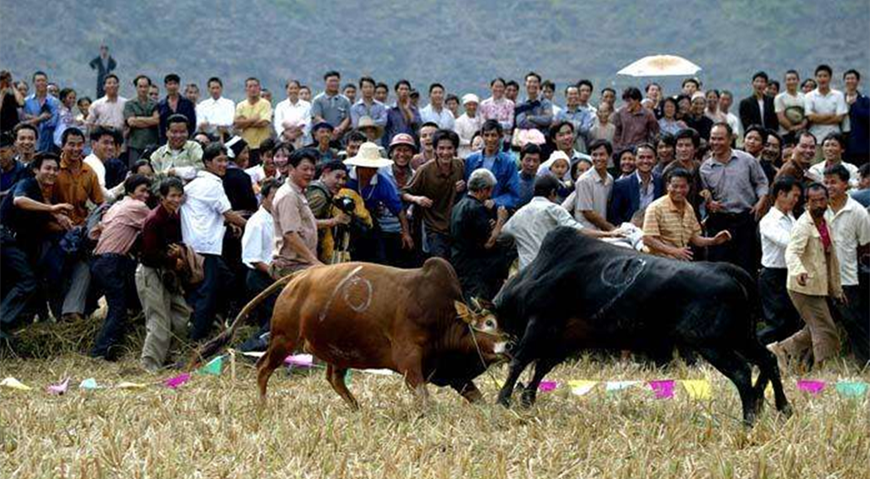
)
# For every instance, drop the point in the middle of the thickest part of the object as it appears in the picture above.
(805, 254)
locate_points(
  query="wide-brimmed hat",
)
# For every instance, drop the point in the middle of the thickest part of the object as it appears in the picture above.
(369, 156)
(403, 139)
(367, 122)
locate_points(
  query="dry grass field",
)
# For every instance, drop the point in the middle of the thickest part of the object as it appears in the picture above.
(211, 428)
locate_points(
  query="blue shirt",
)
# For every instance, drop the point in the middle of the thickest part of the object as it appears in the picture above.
(396, 124)
(381, 198)
(33, 107)
(862, 196)
(527, 189)
(534, 114)
(8, 179)
(377, 111)
(507, 191)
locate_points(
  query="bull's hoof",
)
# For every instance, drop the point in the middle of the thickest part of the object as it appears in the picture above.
(527, 400)
(786, 410)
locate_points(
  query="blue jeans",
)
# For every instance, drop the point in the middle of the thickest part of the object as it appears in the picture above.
(113, 274)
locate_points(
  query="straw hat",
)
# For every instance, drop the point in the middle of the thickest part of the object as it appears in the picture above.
(369, 156)
(367, 122)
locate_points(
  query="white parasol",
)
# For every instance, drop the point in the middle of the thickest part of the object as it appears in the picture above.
(660, 65)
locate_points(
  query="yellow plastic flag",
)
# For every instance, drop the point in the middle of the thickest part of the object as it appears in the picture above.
(13, 383)
(129, 385)
(581, 387)
(697, 388)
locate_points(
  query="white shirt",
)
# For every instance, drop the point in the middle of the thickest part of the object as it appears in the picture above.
(786, 100)
(834, 103)
(258, 240)
(99, 168)
(531, 223)
(257, 173)
(444, 119)
(817, 173)
(202, 214)
(736, 126)
(466, 127)
(775, 229)
(220, 112)
(295, 114)
(850, 228)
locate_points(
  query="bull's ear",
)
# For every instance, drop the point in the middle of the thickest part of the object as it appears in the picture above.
(465, 314)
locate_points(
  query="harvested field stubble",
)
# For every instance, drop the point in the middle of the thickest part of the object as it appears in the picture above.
(211, 427)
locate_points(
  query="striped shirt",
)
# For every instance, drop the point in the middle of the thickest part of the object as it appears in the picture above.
(664, 221)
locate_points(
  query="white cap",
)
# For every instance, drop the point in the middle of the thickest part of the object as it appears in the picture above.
(470, 98)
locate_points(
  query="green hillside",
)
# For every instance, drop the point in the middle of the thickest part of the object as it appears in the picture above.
(461, 43)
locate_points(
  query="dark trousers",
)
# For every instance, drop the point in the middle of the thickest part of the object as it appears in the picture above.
(743, 247)
(439, 244)
(397, 255)
(256, 282)
(114, 276)
(854, 317)
(210, 294)
(780, 318)
(16, 270)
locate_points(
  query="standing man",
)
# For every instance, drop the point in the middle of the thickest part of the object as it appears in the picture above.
(142, 119)
(434, 189)
(382, 93)
(295, 225)
(109, 109)
(179, 156)
(26, 136)
(77, 185)
(253, 119)
(25, 216)
(435, 111)
(174, 104)
(11, 170)
(825, 107)
(331, 106)
(506, 191)
(813, 277)
(368, 106)
(634, 124)
(404, 117)
(113, 267)
(205, 209)
(530, 161)
(789, 106)
(858, 151)
(758, 109)
(635, 192)
(257, 243)
(42, 111)
(536, 112)
(849, 222)
(215, 114)
(293, 117)
(734, 187)
(159, 276)
(480, 262)
(468, 124)
(726, 101)
(581, 115)
(670, 227)
(588, 203)
(104, 64)
(780, 318)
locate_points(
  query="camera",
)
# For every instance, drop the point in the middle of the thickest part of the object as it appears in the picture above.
(345, 204)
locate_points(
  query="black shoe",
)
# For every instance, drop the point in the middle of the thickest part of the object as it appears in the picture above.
(255, 343)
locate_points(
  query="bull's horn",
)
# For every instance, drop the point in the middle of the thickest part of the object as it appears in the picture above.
(476, 304)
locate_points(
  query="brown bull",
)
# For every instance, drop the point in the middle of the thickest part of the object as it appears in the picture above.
(362, 315)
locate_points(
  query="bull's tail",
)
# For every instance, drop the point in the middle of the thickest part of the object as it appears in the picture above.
(210, 348)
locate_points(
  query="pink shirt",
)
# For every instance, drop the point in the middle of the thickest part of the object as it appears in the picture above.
(120, 226)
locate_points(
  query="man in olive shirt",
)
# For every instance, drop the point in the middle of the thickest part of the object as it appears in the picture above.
(434, 188)
(142, 118)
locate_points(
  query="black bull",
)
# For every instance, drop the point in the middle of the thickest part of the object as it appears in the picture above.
(584, 293)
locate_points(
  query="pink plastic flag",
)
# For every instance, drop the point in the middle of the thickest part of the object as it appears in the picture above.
(663, 389)
(58, 388)
(547, 386)
(303, 360)
(811, 386)
(173, 383)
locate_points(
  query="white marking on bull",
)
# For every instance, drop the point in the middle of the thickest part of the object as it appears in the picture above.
(366, 301)
(336, 291)
(500, 347)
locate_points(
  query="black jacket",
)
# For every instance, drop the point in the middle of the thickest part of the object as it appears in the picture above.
(750, 114)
